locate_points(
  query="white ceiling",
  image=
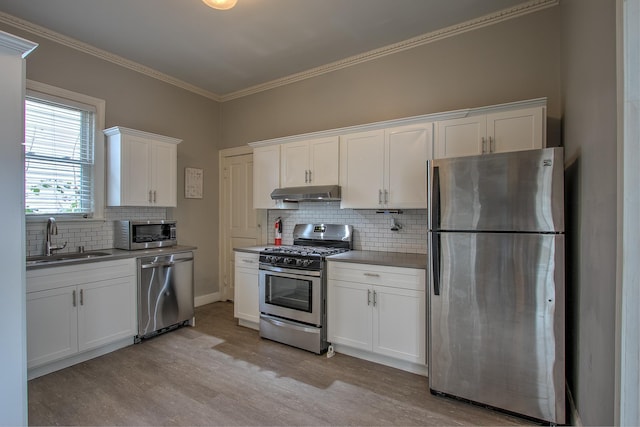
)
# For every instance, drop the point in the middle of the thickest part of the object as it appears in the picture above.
(257, 42)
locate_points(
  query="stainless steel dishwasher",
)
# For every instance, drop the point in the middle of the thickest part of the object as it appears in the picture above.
(165, 293)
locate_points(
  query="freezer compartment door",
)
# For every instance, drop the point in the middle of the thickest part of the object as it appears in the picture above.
(497, 323)
(519, 191)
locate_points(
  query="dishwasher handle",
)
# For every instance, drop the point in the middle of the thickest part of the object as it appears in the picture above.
(165, 263)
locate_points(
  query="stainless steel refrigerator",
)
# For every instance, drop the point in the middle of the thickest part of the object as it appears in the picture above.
(496, 277)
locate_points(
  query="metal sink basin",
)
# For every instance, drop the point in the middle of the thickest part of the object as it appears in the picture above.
(72, 256)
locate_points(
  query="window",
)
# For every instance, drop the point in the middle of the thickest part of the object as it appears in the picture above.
(63, 153)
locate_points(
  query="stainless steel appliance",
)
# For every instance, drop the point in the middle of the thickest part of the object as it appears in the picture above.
(496, 245)
(293, 285)
(165, 293)
(134, 235)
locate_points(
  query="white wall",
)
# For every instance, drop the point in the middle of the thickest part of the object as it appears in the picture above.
(589, 136)
(13, 356)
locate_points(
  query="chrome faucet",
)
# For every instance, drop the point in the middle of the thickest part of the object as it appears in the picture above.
(52, 230)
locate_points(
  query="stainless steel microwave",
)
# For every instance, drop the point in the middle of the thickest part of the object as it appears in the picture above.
(134, 235)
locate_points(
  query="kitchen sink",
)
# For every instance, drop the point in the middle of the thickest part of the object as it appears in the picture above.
(72, 256)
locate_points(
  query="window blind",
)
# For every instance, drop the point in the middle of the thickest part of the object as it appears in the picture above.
(59, 157)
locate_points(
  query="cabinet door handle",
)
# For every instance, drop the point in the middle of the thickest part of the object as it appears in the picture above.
(374, 298)
(82, 298)
(73, 297)
(372, 274)
(386, 197)
(484, 145)
(309, 176)
(368, 296)
(154, 196)
(492, 145)
(149, 196)
(379, 197)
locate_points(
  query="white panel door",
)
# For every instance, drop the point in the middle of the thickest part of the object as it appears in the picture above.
(461, 137)
(399, 323)
(52, 325)
(240, 219)
(407, 150)
(106, 312)
(349, 314)
(362, 169)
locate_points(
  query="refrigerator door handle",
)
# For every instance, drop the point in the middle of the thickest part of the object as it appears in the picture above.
(435, 198)
(435, 260)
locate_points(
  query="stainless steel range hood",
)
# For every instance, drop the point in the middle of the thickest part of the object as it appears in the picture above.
(317, 193)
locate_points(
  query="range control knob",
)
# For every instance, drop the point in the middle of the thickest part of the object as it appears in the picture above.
(300, 261)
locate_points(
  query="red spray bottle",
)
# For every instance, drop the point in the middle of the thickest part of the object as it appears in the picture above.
(278, 229)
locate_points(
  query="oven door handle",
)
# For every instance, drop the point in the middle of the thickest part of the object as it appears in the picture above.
(288, 325)
(289, 272)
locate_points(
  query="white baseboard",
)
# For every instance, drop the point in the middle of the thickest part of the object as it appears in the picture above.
(207, 299)
(415, 368)
(574, 416)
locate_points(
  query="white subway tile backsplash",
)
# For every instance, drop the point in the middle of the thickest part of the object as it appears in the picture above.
(93, 235)
(372, 231)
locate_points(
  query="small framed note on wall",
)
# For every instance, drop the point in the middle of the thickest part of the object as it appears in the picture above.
(193, 183)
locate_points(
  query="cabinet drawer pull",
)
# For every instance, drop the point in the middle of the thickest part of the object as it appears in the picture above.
(368, 296)
(248, 261)
(374, 298)
(82, 297)
(73, 297)
(372, 274)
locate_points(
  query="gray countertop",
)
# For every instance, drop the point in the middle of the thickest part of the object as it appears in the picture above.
(391, 259)
(252, 249)
(115, 254)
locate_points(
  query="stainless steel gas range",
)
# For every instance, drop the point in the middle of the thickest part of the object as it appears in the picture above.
(293, 285)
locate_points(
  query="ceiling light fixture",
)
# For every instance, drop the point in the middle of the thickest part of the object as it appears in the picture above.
(220, 4)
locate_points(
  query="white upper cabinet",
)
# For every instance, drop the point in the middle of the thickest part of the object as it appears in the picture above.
(142, 168)
(386, 168)
(312, 162)
(266, 178)
(510, 130)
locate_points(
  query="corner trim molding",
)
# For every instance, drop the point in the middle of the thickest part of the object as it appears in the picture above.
(483, 21)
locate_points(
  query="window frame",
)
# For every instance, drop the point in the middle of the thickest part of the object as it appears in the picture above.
(48, 92)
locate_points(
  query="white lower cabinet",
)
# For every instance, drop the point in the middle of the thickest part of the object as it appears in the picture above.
(245, 302)
(75, 309)
(378, 309)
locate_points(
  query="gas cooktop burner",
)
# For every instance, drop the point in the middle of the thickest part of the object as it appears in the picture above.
(296, 250)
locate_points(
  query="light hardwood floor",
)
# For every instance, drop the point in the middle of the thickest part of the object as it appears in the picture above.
(219, 373)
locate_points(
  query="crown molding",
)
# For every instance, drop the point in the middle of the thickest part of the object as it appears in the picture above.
(102, 54)
(16, 44)
(483, 21)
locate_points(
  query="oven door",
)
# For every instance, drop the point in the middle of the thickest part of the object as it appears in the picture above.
(291, 294)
